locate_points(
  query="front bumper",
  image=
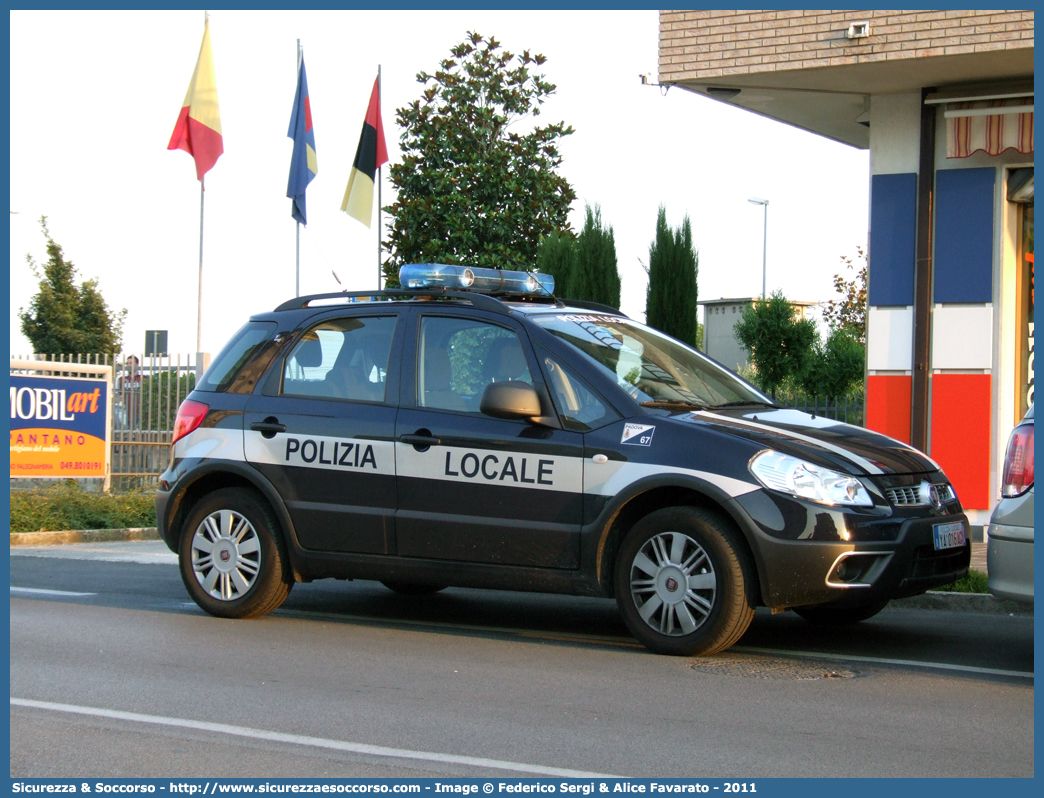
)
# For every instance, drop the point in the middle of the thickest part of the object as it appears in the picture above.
(798, 572)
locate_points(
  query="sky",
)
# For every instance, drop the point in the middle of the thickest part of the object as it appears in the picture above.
(95, 95)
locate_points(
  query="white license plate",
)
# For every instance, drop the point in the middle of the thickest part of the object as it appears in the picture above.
(949, 536)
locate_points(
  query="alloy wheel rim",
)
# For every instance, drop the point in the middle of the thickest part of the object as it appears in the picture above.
(226, 555)
(673, 584)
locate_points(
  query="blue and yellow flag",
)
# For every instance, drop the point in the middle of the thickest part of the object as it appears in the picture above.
(303, 166)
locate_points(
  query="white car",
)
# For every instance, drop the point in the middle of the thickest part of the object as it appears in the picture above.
(1009, 554)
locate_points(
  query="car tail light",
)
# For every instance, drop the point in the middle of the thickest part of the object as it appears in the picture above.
(1018, 462)
(190, 416)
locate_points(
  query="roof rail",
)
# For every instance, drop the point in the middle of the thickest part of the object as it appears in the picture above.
(583, 303)
(480, 301)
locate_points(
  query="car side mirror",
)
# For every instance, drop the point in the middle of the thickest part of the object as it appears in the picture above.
(510, 400)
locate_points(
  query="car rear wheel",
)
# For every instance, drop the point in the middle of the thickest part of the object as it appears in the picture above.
(684, 582)
(231, 555)
(828, 615)
(409, 589)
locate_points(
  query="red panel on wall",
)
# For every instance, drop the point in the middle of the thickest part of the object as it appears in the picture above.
(888, 405)
(961, 434)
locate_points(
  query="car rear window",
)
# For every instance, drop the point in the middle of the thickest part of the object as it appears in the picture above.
(237, 352)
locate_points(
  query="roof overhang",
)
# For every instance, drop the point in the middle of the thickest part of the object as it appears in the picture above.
(833, 101)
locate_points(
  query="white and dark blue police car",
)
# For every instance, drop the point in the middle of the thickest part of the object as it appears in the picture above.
(472, 430)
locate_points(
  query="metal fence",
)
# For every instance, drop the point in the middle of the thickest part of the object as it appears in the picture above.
(849, 409)
(146, 393)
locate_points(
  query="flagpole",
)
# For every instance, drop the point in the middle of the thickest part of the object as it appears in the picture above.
(199, 298)
(297, 281)
(379, 230)
(199, 301)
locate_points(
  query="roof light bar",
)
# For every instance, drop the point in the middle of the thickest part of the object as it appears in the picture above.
(486, 281)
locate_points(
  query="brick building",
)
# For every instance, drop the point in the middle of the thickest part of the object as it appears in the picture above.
(943, 100)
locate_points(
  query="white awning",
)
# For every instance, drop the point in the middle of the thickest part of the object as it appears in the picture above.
(991, 126)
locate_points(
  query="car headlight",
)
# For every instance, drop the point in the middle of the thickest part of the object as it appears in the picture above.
(778, 471)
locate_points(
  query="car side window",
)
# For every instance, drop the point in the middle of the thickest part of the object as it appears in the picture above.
(458, 358)
(578, 406)
(341, 359)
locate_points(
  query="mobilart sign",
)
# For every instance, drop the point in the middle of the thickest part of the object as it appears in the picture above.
(58, 427)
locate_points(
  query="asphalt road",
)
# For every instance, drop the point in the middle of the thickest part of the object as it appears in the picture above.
(349, 679)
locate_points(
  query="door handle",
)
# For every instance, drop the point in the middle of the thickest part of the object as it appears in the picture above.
(421, 441)
(269, 427)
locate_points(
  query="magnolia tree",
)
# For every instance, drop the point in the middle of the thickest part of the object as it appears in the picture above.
(478, 182)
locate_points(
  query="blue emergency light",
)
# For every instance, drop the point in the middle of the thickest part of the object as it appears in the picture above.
(472, 278)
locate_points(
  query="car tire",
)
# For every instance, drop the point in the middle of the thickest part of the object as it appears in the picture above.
(410, 589)
(708, 611)
(828, 615)
(231, 555)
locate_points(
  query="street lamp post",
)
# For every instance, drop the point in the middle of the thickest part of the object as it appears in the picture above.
(764, 240)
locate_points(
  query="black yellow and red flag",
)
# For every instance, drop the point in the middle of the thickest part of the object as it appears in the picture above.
(370, 155)
(198, 129)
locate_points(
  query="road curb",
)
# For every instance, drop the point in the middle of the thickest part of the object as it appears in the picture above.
(962, 602)
(84, 536)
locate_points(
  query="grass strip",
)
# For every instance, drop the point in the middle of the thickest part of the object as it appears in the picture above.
(65, 505)
(974, 582)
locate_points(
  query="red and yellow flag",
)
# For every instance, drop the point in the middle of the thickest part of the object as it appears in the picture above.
(198, 129)
(371, 153)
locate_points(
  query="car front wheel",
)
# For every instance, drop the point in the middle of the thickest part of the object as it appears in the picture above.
(684, 582)
(231, 556)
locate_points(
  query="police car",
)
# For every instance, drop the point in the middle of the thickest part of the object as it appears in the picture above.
(473, 430)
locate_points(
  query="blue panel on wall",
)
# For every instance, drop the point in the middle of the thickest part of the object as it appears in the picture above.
(964, 235)
(893, 226)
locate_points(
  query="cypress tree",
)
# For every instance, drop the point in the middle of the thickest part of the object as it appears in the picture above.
(595, 277)
(670, 300)
(556, 256)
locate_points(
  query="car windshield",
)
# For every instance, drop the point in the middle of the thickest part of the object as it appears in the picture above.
(652, 368)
